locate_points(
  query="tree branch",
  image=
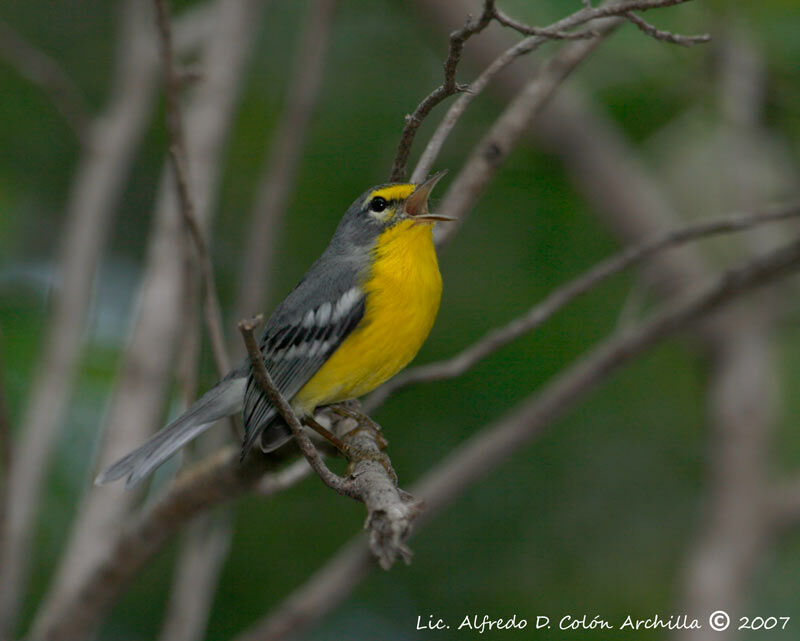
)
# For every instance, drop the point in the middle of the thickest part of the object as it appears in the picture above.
(177, 152)
(279, 172)
(539, 35)
(45, 72)
(260, 373)
(206, 544)
(447, 88)
(112, 139)
(665, 36)
(142, 383)
(507, 130)
(556, 300)
(548, 32)
(371, 479)
(207, 484)
(485, 451)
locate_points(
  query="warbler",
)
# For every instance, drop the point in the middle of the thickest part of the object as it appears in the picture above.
(357, 317)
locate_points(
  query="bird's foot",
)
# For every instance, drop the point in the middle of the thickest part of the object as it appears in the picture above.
(364, 423)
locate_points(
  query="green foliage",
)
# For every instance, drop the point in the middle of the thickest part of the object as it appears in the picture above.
(595, 516)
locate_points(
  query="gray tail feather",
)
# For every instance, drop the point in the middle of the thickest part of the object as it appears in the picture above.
(224, 399)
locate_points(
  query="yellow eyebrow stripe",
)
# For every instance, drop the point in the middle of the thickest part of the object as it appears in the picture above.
(393, 192)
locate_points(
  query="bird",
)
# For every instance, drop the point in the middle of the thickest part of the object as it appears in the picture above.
(357, 317)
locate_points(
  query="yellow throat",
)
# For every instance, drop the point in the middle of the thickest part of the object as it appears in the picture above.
(403, 291)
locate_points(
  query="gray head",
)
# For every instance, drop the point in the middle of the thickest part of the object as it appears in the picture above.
(380, 208)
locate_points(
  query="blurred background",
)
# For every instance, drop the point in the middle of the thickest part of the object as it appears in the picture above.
(608, 512)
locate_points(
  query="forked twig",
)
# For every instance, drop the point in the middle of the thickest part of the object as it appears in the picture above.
(448, 87)
(371, 478)
(556, 300)
(559, 30)
(485, 451)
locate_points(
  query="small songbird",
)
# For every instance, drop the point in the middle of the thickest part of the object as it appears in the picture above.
(358, 316)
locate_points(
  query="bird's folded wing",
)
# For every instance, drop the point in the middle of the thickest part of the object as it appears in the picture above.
(295, 347)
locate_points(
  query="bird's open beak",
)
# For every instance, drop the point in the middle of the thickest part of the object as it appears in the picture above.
(416, 204)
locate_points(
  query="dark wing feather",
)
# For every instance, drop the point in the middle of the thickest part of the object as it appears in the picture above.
(285, 345)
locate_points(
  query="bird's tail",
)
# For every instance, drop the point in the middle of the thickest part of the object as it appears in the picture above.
(224, 399)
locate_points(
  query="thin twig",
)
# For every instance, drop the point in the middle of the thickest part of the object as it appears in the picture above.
(5, 449)
(260, 373)
(556, 300)
(46, 72)
(521, 48)
(223, 479)
(507, 131)
(177, 152)
(280, 169)
(666, 36)
(284, 479)
(205, 547)
(143, 379)
(371, 478)
(547, 32)
(211, 482)
(482, 453)
(448, 87)
(96, 188)
(205, 544)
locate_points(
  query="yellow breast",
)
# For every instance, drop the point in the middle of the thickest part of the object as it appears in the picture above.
(403, 291)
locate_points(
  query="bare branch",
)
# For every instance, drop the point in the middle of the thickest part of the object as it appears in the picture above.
(263, 378)
(205, 543)
(482, 453)
(557, 30)
(142, 384)
(542, 311)
(666, 36)
(204, 549)
(371, 479)
(549, 33)
(5, 450)
(447, 88)
(736, 526)
(507, 130)
(278, 176)
(743, 395)
(45, 72)
(284, 479)
(209, 483)
(208, 540)
(98, 182)
(177, 151)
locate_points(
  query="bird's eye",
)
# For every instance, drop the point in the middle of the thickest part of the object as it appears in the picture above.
(378, 204)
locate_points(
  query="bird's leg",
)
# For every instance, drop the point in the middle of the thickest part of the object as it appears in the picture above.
(325, 433)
